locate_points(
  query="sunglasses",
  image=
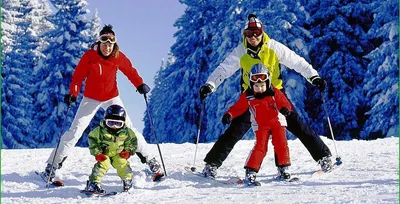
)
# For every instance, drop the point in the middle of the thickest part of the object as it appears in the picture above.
(252, 33)
(258, 78)
(114, 123)
(107, 38)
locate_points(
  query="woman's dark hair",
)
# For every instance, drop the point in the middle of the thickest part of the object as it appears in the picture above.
(106, 29)
(114, 53)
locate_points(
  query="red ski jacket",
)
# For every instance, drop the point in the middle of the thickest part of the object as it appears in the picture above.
(101, 75)
(264, 111)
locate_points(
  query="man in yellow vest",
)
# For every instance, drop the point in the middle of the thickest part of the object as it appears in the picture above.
(257, 47)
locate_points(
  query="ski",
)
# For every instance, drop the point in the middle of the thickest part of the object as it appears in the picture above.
(94, 194)
(230, 181)
(292, 179)
(54, 184)
(255, 183)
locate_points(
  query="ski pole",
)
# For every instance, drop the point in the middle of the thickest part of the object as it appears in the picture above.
(154, 132)
(193, 169)
(338, 159)
(58, 144)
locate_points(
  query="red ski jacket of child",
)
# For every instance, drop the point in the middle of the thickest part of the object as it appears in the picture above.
(264, 111)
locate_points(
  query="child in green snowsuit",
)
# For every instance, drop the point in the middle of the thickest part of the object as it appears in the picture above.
(112, 143)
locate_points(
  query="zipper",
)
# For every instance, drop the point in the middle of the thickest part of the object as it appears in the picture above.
(101, 70)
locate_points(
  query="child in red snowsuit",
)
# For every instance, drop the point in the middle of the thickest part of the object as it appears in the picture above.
(268, 107)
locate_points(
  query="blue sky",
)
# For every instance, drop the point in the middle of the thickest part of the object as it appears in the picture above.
(144, 30)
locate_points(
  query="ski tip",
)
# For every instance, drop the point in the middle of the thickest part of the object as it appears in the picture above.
(294, 179)
(58, 183)
(158, 177)
(240, 181)
(338, 163)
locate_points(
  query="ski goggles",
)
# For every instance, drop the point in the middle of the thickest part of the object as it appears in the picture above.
(259, 78)
(252, 33)
(108, 38)
(114, 123)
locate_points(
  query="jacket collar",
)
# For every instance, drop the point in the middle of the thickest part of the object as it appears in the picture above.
(251, 95)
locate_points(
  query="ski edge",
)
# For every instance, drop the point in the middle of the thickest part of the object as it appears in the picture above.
(92, 194)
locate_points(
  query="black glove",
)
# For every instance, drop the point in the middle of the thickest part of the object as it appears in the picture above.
(226, 119)
(285, 111)
(143, 89)
(69, 99)
(318, 82)
(205, 90)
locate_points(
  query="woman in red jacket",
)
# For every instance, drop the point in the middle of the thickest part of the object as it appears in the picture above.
(98, 66)
(268, 107)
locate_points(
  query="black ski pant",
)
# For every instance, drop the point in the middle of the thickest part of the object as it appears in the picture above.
(225, 143)
(241, 124)
(141, 157)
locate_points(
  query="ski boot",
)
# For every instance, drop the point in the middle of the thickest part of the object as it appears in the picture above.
(49, 173)
(326, 164)
(127, 184)
(155, 167)
(94, 188)
(250, 178)
(210, 171)
(283, 173)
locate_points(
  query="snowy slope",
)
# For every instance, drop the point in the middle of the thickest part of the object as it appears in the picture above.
(369, 175)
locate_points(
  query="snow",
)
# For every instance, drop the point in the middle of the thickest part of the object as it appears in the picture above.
(369, 174)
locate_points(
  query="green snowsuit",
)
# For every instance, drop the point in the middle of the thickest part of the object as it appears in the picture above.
(103, 141)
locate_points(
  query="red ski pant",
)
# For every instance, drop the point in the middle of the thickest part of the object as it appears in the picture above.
(260, 148)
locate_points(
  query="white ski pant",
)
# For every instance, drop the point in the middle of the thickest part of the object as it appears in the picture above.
(86, 111)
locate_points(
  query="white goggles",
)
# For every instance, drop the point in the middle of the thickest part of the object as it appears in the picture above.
(108, 38)
(114, 123)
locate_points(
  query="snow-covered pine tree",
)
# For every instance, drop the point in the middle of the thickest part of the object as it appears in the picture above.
(382, 77)
(14, 77)
(339, 30)
(24, 23)
(67, 43)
